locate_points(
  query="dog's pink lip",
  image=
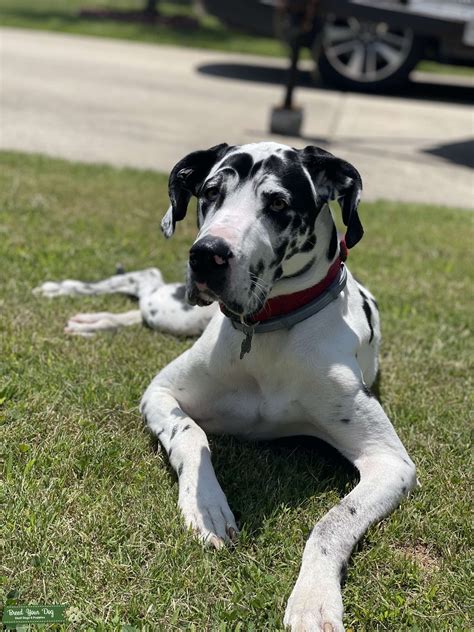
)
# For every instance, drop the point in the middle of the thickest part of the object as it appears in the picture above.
(201, 286)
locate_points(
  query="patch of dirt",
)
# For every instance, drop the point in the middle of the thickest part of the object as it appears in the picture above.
(421, 554)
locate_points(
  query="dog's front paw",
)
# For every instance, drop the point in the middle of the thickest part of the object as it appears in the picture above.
(209, 517)
(314, 607)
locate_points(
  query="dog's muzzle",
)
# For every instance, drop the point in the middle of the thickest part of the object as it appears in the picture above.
(209, 269)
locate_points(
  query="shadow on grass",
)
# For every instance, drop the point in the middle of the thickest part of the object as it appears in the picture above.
(261, 479)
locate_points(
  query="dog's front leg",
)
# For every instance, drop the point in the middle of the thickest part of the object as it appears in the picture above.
(366, 437)
(201, 499)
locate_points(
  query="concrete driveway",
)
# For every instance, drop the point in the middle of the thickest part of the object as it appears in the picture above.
(98, 100)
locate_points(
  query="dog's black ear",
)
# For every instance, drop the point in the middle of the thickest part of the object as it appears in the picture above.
(336, 179)
(185, 180)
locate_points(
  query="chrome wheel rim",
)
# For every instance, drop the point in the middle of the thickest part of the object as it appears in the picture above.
(365, 51)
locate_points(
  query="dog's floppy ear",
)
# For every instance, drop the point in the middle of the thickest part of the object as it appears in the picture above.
(185, 179)
(336, 179)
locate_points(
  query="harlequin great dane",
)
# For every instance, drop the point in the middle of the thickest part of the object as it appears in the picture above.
(289, 345)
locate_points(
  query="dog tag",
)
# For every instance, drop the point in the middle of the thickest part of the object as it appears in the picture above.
(247, 341)
(246, 344)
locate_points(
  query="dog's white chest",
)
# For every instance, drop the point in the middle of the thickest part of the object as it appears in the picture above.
(257, 408)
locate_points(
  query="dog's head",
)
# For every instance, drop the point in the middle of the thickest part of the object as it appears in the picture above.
(258, 208)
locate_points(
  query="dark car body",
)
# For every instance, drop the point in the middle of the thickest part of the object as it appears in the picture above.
(384, 39)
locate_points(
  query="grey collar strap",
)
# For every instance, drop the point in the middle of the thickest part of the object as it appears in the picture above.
(287, 321)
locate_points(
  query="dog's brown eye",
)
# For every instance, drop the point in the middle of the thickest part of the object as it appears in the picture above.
(211, 193)
(278, 204)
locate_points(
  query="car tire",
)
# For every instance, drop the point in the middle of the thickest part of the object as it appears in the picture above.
(369, 56)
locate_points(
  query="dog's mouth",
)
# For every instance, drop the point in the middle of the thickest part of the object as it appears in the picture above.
(200, 294)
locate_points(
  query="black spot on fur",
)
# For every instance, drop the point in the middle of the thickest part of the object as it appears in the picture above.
(180, 469)
(242, 163)
(174, 431)
(186, 427)
(291, 253)
(296, 222)
(280, 219)
(324, 550)
(273, 164)
(353, 511)
(404, 489)
(304, 269)
(170, 453)
(158, 434)
(331, 253)
(309, 244)
(256, 168)
(343, 573)
(280, 252)
(152, 312)
(177, 412)
(368, 314)
(180, 293)
(295, 180)
(345, 420)
(366, 391)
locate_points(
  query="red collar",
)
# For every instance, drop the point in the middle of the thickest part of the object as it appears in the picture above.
(287, 303)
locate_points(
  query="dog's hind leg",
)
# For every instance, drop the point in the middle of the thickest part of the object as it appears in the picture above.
(162, 307)
(90, 323)
(130, 283)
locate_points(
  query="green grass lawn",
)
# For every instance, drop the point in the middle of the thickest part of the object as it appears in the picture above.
(90, 515)
(62, 15)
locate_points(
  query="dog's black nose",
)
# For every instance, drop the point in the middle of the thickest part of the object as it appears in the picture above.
(209, 258)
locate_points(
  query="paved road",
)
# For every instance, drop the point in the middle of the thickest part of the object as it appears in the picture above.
(145, 106)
